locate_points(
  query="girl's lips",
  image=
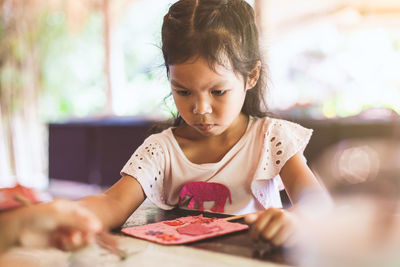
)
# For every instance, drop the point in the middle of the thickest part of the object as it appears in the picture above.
(204, 127)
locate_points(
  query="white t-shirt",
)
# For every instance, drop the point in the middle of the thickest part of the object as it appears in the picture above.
(250, 169)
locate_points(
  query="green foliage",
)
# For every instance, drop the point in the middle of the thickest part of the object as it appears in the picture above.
(72, 70)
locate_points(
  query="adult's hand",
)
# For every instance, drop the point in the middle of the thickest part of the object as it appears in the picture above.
(62, 223)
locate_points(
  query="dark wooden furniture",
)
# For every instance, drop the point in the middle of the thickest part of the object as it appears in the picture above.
(94, 151)
(328, 132)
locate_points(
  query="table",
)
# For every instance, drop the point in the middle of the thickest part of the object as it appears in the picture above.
(234, 249)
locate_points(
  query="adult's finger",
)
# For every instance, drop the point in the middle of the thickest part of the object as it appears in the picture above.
(72, 214)
(68, 239)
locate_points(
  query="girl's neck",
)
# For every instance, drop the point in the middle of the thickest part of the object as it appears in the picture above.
(235, 131)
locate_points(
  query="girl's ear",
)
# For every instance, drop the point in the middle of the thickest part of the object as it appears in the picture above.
(253, 76)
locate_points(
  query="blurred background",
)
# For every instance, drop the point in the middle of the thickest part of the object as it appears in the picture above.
(81, 82)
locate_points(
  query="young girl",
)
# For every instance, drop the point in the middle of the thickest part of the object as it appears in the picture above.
(223, 148)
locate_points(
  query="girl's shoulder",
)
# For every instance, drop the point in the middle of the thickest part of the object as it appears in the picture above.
(160, 137)
(155, 146)
(278, 127)
(164, 140)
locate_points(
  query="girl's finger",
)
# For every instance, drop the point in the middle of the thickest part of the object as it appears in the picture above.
(274, 226)
(260, 224)
(282, 235)
(252, 217)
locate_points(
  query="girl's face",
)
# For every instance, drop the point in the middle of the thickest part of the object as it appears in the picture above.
(208, 100)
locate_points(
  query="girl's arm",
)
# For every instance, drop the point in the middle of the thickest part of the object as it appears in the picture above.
(277, 225)
(115, 205)
(298, 178)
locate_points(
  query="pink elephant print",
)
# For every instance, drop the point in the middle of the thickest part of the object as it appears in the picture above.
(203, 191)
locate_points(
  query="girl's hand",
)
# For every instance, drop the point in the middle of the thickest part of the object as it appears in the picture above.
(275, 225)
(62, 223)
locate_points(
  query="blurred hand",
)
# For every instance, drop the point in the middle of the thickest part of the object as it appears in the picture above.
(274, 225)
(62, 223)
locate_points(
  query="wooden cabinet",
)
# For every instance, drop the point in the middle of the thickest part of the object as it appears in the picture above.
(94, 151)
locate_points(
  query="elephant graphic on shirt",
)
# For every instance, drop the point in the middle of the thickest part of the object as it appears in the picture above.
(203, 191)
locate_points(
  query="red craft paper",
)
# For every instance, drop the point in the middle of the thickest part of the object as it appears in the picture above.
(174, 223)
(194, 228)
(7, 196)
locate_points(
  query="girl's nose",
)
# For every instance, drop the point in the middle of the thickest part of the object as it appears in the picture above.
(202, 107)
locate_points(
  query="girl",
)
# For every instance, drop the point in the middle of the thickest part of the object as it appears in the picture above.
(222, 143)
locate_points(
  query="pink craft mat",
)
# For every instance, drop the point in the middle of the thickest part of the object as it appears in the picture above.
(184, 230)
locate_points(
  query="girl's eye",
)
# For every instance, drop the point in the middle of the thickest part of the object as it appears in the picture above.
(218, 92)
(183, 92)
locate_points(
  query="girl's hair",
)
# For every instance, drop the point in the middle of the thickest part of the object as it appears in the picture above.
(216, 30)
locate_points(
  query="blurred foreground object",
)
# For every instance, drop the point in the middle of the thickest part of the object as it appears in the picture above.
(363, 226)
(62, 223)
(368, 166)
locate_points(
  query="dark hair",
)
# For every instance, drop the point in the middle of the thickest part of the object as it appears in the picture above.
(216, 30)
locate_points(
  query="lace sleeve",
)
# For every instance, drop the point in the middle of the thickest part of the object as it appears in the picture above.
(282, 140)
(147, 165)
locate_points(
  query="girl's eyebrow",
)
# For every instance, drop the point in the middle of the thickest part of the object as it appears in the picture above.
(219, 84)
(175, 83)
